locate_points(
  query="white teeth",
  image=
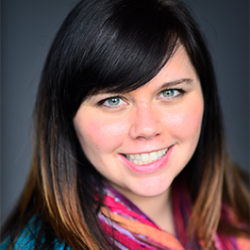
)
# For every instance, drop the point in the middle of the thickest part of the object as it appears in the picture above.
(137, 157)
(153, 156)
(132, 157)
(159, 153)
(146, 158)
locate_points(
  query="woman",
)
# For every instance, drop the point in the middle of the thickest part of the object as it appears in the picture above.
(128, 149)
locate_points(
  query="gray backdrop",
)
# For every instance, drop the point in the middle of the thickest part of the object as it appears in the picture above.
(28, 27)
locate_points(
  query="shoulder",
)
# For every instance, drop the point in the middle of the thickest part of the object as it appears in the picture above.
(24, 240)
(27, 239)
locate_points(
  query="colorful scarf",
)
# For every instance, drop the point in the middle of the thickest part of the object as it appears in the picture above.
(131, 229)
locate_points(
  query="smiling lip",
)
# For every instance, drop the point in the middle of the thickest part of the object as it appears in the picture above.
(147, 168)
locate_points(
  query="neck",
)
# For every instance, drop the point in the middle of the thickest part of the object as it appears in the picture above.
(157, 208)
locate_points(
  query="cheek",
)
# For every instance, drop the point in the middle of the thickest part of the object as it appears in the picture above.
(185, 122)
(100, 134)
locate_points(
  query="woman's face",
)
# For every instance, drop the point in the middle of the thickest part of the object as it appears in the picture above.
(141, 140)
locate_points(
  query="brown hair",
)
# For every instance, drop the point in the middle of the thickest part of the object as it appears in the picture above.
(114, 45)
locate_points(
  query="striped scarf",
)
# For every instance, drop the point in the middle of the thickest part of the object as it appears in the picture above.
(131, 229)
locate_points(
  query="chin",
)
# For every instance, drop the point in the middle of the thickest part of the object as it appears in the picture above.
(150, 187)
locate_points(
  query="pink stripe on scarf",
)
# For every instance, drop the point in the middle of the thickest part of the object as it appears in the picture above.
(119, 208)
(123, 239)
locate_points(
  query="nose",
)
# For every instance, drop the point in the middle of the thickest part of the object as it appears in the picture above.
(146, 123)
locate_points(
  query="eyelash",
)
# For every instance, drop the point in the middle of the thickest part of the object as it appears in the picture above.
(102, 102)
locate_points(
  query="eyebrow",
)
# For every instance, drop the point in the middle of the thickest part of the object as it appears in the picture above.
(164, 86)
(177, 82)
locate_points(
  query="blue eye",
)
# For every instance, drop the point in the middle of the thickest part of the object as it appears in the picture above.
(169, 93)
(113, 102)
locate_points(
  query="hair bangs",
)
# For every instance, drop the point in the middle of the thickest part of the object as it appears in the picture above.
(127, 51)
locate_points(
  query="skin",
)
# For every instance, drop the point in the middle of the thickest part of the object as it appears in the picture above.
(145, 120)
